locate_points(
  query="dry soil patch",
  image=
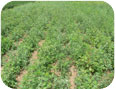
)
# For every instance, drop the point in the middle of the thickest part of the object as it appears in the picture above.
(72, 77)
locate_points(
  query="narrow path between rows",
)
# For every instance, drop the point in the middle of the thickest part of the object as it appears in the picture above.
(41, 43)
(13, 52)
(32, 59)
(19, 78)
(73, 76)
(56, 72)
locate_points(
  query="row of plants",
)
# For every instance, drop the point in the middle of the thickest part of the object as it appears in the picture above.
(40, 73)
(19, 61)
(74, 34)
(13, 4)
(14, 26)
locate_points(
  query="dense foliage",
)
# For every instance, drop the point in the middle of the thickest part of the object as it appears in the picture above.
(74, 33)
(13, 4)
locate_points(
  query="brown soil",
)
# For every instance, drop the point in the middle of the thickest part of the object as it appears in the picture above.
(41, 43)
(34, 54)
(34, 57)
(20, 41)
(19, 77)
(57, 73)
(22, 73)
(7, 57)
(105, 77)
(54, 64)
(14, 51)
(73, 76)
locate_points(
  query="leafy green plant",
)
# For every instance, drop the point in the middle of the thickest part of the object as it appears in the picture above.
(6, 45)
(63, 34)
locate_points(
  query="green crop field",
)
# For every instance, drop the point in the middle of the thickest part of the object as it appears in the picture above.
(57, 45)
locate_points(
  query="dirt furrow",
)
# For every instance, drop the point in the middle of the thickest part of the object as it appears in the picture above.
(56, 72)
(73, 76)
(12, 51)
(19, 77)
(32, 59)
(41, 43)
(7, 56)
